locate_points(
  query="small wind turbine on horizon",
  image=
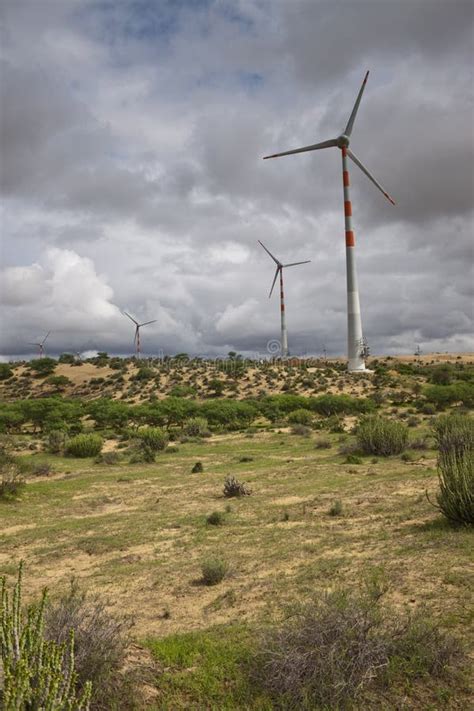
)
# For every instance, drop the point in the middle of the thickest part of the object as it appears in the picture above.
(279, 271)
(40, 345)
(138, 326)
(356, 360)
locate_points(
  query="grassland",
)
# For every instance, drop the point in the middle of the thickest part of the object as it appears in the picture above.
(137, 534)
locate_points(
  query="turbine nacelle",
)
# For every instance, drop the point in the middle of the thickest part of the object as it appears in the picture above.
(343, 141)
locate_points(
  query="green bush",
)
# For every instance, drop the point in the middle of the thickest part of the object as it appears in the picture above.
(216, 518)
(84, 445)
(213, 571)
(197, 468)
(443, 395)
(6, 371)
(454, 435)
(37, 674)
(336, 508)
(153, 438)
(382, 437)
(197, 427)
(300, 417)
(42, 367)
(12, 481)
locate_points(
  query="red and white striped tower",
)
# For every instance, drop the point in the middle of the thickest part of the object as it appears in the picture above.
(354, 321)
(354, 324)
(284, 334)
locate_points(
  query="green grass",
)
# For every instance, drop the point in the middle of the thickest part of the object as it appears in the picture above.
(207, 670)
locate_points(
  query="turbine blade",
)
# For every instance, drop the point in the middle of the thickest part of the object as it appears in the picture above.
(294, 264)
(314, 147)
(147, 323)
(370, 177)
(271, 255)
(274, 280)
(44, 339)
(350, 123)
(130, 317)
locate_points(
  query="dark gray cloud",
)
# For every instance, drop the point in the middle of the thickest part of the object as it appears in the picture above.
(131, 172)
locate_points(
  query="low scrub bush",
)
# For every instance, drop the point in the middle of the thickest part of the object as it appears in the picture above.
(332, 652)
(197, 427)
(36, 673)
(300, 417)
(336, 508)
(12, 481)
(381, 436)
(110, 458)
(56, 441)
(216, 518)
(100, 644)
(454, 435)
(84, 445)
(323, 444)
(301, 430)
(235, 488)
(213, 571)
(197, 468)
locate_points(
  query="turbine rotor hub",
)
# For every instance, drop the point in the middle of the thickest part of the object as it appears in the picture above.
(343, 141)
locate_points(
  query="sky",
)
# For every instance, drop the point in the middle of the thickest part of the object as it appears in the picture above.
(131, 173)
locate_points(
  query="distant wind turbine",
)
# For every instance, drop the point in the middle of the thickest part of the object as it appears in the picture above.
(279, 271)
(137, 332)
(40, 345)
(354, 323)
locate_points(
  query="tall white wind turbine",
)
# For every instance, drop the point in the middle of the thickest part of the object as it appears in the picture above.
(137, 332)
(279, 271)
(355, 338)
(40, 345)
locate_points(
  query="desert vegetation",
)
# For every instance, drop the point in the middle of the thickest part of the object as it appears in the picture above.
(250, 535)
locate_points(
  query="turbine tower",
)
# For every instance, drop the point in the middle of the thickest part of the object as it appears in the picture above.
(279, 271)
(136, 338)
(355, 337)
(40, 345)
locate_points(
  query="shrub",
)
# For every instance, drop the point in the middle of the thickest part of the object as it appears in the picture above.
(197, 468)
(300, 417)
(323, 444)
(41, 469)
(37, 674)
(455, 438)
(336, 508)
(301, 430)
(56, 441)
(234, 487)
(109, 458)
(353, 459)
(216, 518)
(6, 371)
(380, 436)
(11, 478)
(84, 445)
(332, 651)
(42, 367)
(197, 427)
(100, 644)
(213, 571)
(152, 440)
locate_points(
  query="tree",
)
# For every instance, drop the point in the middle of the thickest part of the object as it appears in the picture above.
(42, 367)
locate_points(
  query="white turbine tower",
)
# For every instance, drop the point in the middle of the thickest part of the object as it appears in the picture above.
(137, 333)
(279, 271)
(354, 324)
(40, 345)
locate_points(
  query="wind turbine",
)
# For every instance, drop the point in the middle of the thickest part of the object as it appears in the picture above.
(40, 345)
(354, 324)
(279, 271)
(137, 332)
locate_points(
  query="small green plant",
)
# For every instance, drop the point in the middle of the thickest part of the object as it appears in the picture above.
(56, 441)
(300, 417)
(235, 488)
(336, 508)
(197, 468)
(216, 518)
(353, 459)
(12, 481)
(37, 674)
(381, 436)
(84, 445)
(213, 571)
(454, 435)
(197, 427)
(323, 444)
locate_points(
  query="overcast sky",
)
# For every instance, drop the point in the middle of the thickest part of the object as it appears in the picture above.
(132, 133)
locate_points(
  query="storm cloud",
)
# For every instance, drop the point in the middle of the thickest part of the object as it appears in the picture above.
(131, 175)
